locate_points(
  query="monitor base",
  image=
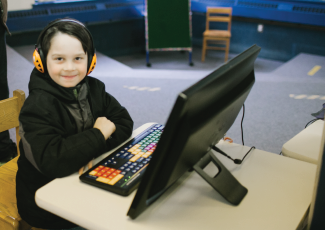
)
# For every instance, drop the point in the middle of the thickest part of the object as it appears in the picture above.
(224, 182)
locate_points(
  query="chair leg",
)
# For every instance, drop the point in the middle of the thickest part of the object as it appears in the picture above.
(204, 49)
(227, 50)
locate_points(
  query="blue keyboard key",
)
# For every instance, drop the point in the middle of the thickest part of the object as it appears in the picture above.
(140, 159)
(91, 177)
(129, 156)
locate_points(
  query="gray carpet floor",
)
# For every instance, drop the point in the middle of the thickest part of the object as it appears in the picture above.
(274, 114)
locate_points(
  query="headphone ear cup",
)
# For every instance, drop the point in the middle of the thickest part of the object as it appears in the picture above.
(38, 61)
(93, 64)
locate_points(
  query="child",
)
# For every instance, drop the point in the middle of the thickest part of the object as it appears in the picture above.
(67, 120)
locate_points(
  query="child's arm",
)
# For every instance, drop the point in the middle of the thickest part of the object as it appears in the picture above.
(107, 128)
(48, 146)
(113, 111)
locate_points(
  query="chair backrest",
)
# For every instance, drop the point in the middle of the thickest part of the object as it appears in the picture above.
(219, 14)
(9, 113)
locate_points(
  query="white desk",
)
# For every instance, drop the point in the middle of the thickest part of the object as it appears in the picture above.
(305, 146)
(279, 193)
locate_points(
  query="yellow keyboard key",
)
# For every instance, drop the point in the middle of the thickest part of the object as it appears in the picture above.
(93, 173)
(104, 180)
(116, 179)
(136, 157)
(146, 154)
(133, 152)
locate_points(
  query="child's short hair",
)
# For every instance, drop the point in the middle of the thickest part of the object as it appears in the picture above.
(67, 27)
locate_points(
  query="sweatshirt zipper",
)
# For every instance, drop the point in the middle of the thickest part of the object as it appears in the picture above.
(75, 93)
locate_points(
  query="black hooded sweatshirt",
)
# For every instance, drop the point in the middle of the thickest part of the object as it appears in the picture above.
(58, 138)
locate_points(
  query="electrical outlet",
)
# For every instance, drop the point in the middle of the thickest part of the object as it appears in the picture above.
(260, 28)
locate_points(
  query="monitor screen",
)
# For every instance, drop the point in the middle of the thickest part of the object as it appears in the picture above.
(201, 115)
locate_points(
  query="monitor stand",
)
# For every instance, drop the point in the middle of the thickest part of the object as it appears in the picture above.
(224, 182)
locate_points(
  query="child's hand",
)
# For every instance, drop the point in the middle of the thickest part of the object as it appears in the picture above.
(105, 126)
(90, 164)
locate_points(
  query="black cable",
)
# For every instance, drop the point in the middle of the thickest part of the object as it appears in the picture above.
(241, 125)
(236, 161)
(312, 121)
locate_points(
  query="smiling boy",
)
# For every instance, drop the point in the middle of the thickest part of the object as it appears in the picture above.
(67, 119)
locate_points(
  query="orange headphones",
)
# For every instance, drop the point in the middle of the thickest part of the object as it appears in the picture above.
(39, 59)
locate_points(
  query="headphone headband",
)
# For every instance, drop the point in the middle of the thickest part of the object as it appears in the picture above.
(38, 55)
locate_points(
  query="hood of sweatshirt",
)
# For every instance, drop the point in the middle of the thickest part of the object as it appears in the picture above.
(43, 81)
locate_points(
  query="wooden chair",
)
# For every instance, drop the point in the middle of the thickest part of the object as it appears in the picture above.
(9, 217)
(218, 37)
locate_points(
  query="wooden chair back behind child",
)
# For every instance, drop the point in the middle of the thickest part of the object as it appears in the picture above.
(9, 217)
(9, 113)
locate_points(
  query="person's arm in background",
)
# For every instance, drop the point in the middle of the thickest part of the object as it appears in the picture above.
(8, 149)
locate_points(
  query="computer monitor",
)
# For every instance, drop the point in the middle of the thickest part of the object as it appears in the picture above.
(201, 115)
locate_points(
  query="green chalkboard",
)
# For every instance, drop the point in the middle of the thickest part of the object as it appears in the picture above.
(168, 24)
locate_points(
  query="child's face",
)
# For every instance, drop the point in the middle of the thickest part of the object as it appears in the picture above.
(66, 60)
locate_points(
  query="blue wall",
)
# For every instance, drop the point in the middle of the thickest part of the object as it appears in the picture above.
(118, 25)
(279, 41)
